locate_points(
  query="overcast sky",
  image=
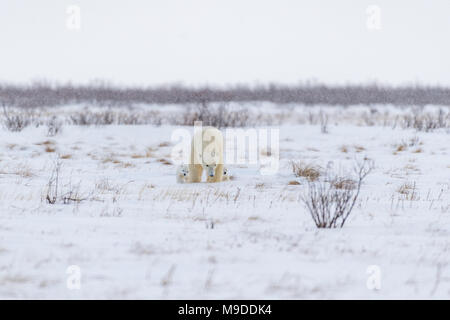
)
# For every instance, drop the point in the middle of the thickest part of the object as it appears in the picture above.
(148, 42)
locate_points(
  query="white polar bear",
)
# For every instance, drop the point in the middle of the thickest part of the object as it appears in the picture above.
(206, 154)
(226, 174)
(225, 177)
(183, 173)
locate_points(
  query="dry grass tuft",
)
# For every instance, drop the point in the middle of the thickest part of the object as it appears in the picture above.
(17, 279)
(49, 149)
(411, 167)
(343, 183)
(148, 154)
(24, 172)
(344, 149)
(164, 161)
(125, 164)
(143, 250)
(108, 159)
(164, 144)
(308, 171)
(408, 190)
(404, 145)
(401, 147)
(254, 218)
(45, 143)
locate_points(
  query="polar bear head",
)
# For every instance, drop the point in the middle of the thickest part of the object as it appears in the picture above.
(226, 174)
(182, 173)
(210, 160)
(210, 169)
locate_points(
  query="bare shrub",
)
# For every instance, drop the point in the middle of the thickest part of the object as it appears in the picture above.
(102, 118)
(323, 122)
(115, 212)
(148, 117)
(93, 118)
(54, 127)
(14, 122)
(414, 141)
(308, 171)
(80, 119)
(330, 204)
(427, 121)
(109, 117)
(217, 116)
(368, 118)
(46, 94)
(57, 193)
(53, 184)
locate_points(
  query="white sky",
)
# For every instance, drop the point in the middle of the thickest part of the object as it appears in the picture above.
(148, 42)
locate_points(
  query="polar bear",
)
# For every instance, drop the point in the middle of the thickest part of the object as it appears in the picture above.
(206, 154)
(183, 173)
(225, 177)
(226, 174)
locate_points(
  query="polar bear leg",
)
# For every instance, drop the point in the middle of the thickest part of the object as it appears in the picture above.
(218, 176)
(195, 172)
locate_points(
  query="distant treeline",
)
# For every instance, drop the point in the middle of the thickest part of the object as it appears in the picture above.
(38, 95)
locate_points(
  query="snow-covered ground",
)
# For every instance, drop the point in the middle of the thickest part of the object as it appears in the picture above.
(139, 234)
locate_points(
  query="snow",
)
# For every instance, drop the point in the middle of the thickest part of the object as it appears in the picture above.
(142, 235)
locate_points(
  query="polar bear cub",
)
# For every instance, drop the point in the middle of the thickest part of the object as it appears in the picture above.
(183, 173)
(226, 174)
(210, 173)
